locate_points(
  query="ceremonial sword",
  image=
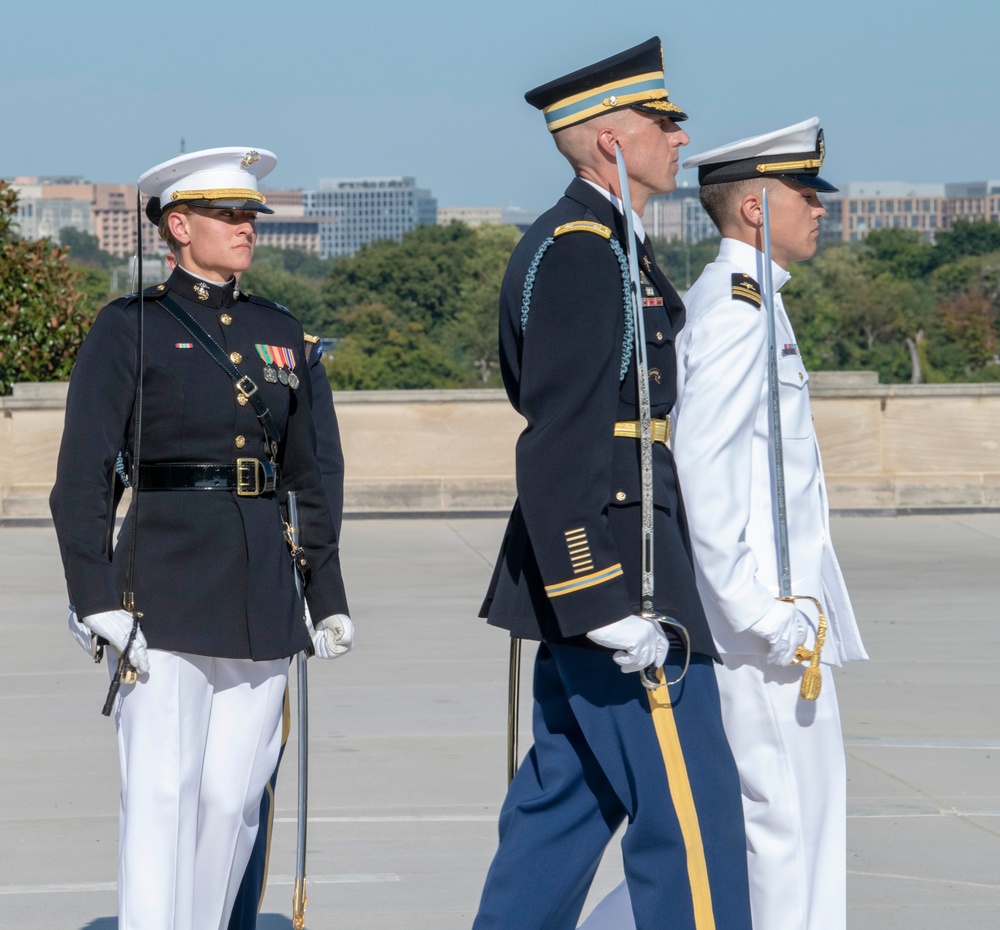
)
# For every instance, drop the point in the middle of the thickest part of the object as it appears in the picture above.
(811, 679)
(293, 536)
(648, 675)
(124, 673)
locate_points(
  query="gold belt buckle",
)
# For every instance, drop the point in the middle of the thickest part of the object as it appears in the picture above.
(248, 477)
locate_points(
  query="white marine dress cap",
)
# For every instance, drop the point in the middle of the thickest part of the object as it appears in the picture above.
(222, 178)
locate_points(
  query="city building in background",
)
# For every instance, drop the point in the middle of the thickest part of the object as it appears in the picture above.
(864, 206)
(344, 214)
(357, 211)
(678, 215)
(46, 206)
(471, 216)
(289, 227)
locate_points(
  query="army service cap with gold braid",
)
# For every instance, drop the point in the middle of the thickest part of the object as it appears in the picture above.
(794, 154)
(223, 179)
(633, 78)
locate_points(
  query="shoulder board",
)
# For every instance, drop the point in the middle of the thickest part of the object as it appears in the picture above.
(583, 226)
(149, 292)
(313, 340)
(264, 302)
(745, 288)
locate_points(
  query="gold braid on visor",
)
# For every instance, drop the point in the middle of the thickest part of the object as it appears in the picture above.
(223, 193)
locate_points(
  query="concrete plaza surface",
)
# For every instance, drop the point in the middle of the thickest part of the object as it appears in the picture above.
(408, 737)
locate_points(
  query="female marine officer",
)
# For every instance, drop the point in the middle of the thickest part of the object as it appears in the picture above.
(222, 427)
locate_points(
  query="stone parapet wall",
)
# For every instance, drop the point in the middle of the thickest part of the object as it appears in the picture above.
(887, 448)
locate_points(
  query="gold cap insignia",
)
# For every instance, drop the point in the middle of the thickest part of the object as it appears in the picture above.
(250, 158)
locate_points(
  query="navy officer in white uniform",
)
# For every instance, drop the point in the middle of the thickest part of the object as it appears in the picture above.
(199, 731)
(789, 751)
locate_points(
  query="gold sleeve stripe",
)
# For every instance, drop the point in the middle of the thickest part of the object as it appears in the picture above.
(684, 806)
(584, 581)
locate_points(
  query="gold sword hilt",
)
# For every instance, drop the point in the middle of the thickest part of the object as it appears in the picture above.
(812, 678)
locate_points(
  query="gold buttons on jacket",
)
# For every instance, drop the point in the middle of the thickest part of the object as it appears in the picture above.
(226, 319)
(241, 399)
(620, 496)
(235, 358)
(240, 442)
(659, 337)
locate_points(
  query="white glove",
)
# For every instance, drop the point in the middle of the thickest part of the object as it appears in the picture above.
(785, 627)
(640, 642)
(115, 626)
(80, 633)
(333, 636)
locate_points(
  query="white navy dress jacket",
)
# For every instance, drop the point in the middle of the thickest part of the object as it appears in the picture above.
(724, 463)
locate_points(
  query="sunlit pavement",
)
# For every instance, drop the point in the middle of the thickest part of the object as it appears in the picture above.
(408, 736)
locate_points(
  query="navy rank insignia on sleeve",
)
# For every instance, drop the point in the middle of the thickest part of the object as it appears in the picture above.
(745, 288)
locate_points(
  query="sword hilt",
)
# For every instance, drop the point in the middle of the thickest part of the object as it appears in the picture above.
(812, 678)
(674, 630)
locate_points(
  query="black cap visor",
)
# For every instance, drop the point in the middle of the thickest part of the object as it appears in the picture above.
(155, 211)
(807, 180)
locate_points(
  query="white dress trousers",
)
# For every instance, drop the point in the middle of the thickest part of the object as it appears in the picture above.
(198, 739)
(789, 752)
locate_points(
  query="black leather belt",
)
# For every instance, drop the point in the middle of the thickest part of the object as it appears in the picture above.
(247, 477)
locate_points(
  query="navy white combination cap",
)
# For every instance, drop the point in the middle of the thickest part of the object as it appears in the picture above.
(224, 178)
(794, 154)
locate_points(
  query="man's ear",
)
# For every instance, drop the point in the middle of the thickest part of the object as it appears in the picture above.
(179, 228)
(752, 209)
(607, 138)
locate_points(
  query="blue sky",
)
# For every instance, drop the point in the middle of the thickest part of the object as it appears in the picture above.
(905, 90)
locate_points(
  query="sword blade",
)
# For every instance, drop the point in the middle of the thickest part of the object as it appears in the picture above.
(642, 376)
(299, 890)
(774, 415)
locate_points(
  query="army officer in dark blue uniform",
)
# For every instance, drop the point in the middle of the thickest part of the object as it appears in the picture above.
(569, 571)
(218, 437)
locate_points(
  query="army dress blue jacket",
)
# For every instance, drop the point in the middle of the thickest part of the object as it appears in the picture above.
(212, 572)
(570, 560)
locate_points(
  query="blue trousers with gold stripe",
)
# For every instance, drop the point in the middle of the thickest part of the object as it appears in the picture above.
(606, 750)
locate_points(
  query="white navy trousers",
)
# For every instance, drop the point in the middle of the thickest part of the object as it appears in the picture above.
(198, 739)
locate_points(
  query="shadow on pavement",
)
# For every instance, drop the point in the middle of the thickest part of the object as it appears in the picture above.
(264, 922)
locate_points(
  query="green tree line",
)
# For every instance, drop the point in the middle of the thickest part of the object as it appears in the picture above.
(422, 312)
(892, 303)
